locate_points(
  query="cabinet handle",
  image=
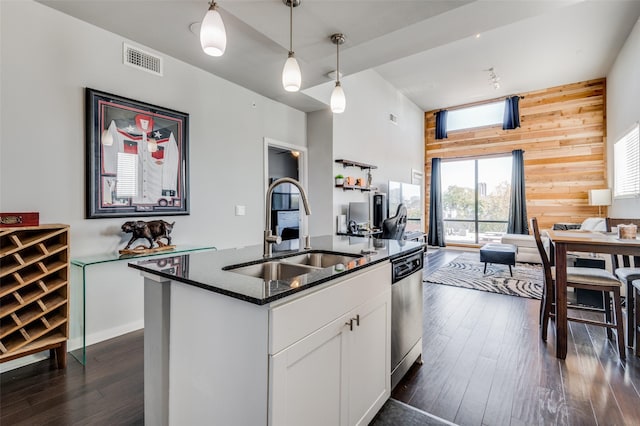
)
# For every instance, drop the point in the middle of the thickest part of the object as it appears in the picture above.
(350, 324)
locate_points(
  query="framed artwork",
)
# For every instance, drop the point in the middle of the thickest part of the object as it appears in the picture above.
(137, 158)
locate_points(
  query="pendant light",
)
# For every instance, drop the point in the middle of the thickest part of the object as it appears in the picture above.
(213, 36)
(291, 77)
(338, 100)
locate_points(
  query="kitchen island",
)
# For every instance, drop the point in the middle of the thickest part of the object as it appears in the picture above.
(225, 347)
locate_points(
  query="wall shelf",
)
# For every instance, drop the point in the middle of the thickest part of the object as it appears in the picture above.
(349, 163)
(355, 187)
(362, 166)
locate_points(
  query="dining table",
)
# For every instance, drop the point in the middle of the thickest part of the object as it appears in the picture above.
(582, 241)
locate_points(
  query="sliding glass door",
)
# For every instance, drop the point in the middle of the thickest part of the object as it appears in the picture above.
(475, 198)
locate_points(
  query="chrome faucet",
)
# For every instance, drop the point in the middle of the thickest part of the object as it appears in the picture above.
(269, 238)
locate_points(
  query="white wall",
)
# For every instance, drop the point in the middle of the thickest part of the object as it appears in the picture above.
(623, 109)
(320, 141)
(45, 68)
(362, 133)
(48, 58)
(365, 134)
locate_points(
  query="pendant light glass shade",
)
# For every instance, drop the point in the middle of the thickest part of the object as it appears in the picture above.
(338, 100)
(213, 36)
(291, 77)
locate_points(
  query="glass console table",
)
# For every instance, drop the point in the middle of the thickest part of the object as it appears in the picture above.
(78, 287)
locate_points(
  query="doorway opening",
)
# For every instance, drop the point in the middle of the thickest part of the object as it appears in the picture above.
(284, 160)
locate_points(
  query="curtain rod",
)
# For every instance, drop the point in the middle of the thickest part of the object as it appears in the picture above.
(473, 104)
(469, 157)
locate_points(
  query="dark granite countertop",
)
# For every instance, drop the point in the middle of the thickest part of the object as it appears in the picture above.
(205, 269)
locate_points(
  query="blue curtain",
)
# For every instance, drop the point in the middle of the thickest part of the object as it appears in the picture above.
(436, 222)
(441, 124)
(518, 204)
(511, 113)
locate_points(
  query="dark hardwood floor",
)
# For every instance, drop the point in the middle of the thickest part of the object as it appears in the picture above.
(108, 391)
(484, 364)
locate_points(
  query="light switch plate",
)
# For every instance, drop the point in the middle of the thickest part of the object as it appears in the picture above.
(240, 210)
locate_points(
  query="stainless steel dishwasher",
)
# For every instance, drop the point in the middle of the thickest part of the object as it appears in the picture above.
(406, 314)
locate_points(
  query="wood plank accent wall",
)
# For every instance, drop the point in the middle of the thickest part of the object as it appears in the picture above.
(563, 135)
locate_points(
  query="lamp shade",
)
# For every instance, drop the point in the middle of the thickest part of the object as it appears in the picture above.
(291, 76)
(338, 100)
(599, 197)
(213, 36)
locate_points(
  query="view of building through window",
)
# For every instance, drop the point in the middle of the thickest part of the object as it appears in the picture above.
(475, 198)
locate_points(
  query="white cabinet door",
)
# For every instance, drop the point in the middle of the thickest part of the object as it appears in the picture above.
(337, 375)
(340, 373)
(369, 364)
(307, 379)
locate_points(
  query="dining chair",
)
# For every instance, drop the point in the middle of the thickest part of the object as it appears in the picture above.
(627, 269)
(581, 278)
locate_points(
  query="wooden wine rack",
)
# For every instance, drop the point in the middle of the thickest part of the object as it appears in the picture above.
(34, 291)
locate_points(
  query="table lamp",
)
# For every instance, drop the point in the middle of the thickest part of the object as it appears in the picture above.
(600, 197)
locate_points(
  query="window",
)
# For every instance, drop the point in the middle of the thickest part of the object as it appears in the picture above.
(411, 196)
(626, 158)
(475, 116)
(475, 198)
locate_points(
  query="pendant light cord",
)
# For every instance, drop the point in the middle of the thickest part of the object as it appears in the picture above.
(290, 26)
(338, 62)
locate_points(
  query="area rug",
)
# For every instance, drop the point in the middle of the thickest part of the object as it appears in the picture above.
(466, 271)
(396, 413)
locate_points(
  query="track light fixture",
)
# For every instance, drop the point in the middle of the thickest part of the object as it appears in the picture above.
(493, 78)
(213, 36)
(338, 100)
(291, 76)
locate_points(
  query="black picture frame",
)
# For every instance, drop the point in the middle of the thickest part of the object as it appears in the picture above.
(137, 161)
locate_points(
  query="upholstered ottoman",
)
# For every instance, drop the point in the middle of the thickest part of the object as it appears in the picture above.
(503, 254)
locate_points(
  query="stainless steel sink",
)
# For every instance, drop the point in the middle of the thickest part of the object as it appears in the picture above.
(286, 268)
(321, 259)
(273, 270)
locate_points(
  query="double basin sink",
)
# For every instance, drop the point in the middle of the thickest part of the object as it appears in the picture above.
(286, 268)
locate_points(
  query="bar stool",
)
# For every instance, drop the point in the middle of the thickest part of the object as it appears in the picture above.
(627, 269)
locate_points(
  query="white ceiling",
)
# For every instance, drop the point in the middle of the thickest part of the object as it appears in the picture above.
(436, 52)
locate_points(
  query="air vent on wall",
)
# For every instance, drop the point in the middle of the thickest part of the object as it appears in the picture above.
(140, 59)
